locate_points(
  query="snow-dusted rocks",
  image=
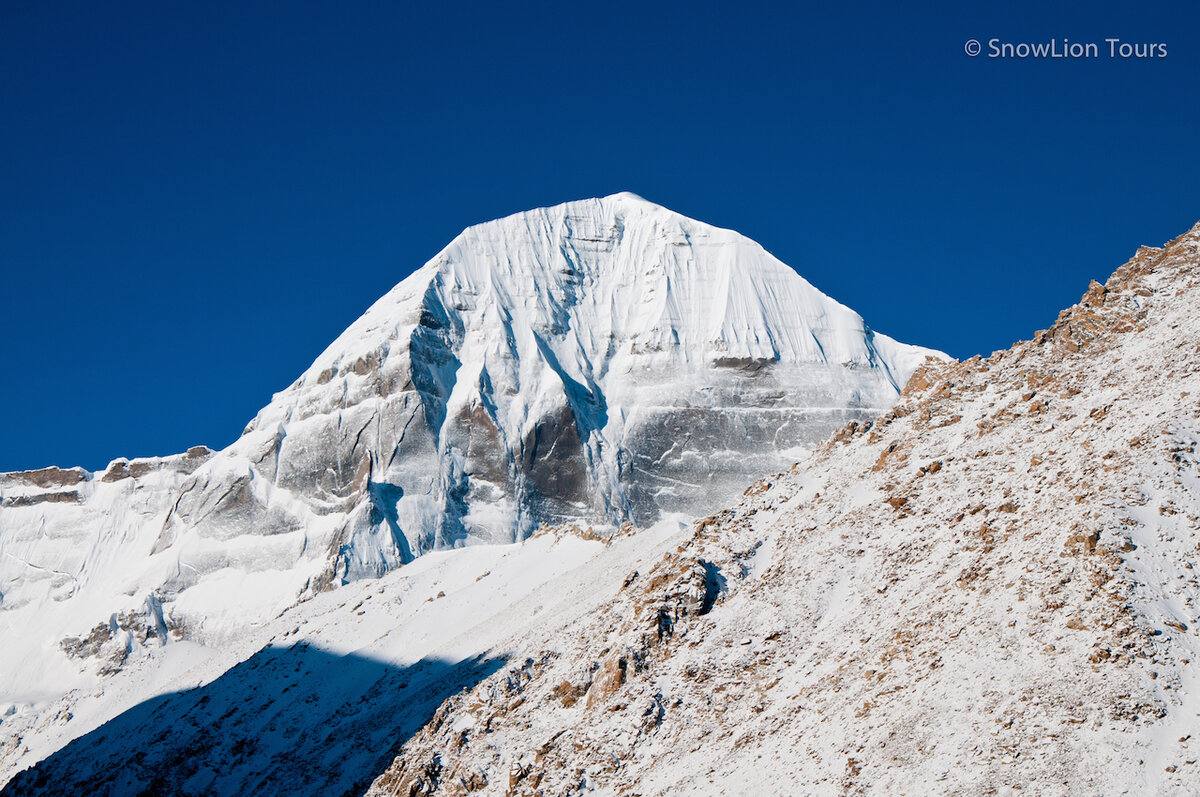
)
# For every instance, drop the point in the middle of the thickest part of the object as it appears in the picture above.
(597, 362)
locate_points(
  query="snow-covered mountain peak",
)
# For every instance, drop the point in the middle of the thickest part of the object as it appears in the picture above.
(595, 363)
(608, 286)
(552, 356)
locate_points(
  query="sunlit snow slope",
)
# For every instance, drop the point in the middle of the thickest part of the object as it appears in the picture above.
(597, 362)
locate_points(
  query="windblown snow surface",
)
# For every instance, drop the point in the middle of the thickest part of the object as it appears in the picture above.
(605, 364)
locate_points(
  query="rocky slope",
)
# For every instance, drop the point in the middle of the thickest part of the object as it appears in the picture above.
(990, 588)
(600, 362)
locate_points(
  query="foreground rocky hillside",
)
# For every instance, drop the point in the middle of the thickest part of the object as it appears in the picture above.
(991, 588)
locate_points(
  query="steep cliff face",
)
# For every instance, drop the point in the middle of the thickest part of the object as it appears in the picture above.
(597, 362)
(991, 587)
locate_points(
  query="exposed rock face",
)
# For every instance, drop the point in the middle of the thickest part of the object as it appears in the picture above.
(989, 588)
(44, 486)
(47, 478)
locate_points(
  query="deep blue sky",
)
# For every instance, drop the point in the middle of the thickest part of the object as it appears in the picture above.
(195, 198)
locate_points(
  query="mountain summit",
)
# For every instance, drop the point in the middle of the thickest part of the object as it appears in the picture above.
(594, 362)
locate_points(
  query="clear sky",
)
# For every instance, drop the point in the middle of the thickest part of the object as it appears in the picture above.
(196, 198)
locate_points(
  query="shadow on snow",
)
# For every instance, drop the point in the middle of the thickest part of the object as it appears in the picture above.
(289, 720)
